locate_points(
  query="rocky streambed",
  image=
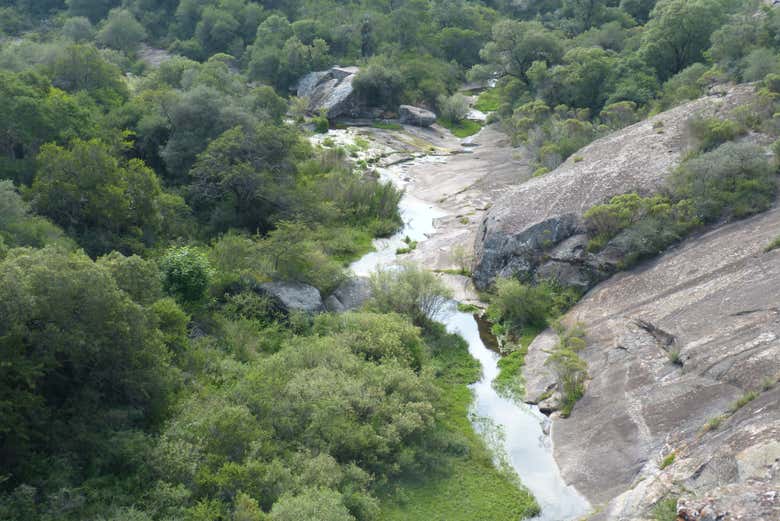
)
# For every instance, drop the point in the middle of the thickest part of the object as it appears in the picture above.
(442, 187)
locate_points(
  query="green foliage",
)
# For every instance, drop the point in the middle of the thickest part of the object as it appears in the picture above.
(121, 31)
(408, 290)
(488, 101)
(678, 33)
(775, 244)
(742, 401)
(20, 227)
(668, 460)
(629, 215)
(570, 370)
(186, 274)
(509, 381)
(79, 67)
(710, 133)
(80, 388)
(102, 201)
(461, 129)
(377, 337)
(519, 307)
(734, 180)
(665, 510)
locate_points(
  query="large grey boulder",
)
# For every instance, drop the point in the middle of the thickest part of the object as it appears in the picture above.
(295, 296)
(410, 115)
(519, 234)
(350, 295)
(331, 91)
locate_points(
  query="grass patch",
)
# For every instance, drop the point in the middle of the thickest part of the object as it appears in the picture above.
(713, 423)
(468, 308)
(472, 488)
(461, 129)
(387, 125)
(510, 382)
(743, 401)
(665, 510)
(775, 244)
(668, 460)
(410, 246)
(488, 101)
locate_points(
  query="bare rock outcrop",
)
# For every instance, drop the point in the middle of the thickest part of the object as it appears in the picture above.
(523, 231)
(331, 92)
(419, 117)
(349, 296)
(714, 299)
(295, 296)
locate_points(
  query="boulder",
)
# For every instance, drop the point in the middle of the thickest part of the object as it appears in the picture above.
(295, 296)
(350, 295)
(520, 232)
(331, 91)
(416, 116)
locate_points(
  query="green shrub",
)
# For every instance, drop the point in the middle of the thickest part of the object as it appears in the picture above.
(734, 180)
(713, 423)
(186, 274)
(408, 290)
(516, 305)
(668, 460)
(453, 108)
(710, 133)
(665, 510)
(772, 245)
(570, 370)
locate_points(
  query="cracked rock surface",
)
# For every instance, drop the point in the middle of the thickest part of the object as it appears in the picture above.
(715, 299)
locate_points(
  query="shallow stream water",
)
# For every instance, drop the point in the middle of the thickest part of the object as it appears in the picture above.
(521, 428)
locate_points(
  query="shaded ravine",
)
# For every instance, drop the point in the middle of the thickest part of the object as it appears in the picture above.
(524, 443)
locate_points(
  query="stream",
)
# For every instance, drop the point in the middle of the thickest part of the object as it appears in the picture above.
(521, 427)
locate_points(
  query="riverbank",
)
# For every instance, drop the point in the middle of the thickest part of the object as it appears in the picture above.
(448, 185)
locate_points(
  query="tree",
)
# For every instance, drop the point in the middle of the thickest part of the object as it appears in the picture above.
(104, 202)
(41, 114)
(582, 80)
(78, 29)
(80, 361)
(81, 68)
(122, 31)
(320, 504)
(461, 45)
(246, 177)
(95, 10)
(517, 45)
(186, 274)
(679, 31)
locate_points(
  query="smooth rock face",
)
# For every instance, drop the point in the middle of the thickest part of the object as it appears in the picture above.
(715, 298)
(295, 296)
(331, 91)
(520, 229)
(416, 116)
(349, 296)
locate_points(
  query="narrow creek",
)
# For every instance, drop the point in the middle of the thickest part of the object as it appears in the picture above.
(527, 447)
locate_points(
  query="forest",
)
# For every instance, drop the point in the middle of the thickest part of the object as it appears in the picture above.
(142, 202)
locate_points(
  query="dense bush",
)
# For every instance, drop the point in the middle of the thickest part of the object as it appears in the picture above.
(408, 290)
(517, 306)
(734, 180)
(185, 274)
